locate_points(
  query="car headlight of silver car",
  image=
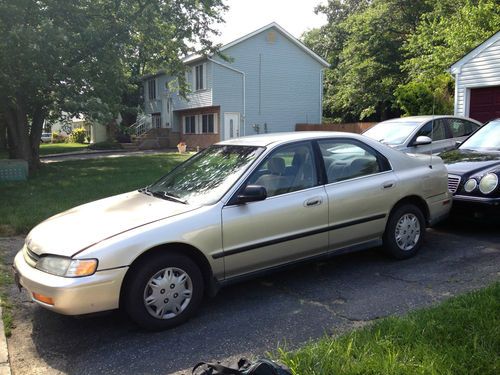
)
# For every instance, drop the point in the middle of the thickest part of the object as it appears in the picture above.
(488, 183)
(470, 185)
(67, 267)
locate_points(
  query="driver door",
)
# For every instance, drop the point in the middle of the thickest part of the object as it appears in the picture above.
(290, 224)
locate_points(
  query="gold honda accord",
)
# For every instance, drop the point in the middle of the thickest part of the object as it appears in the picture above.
(237, 209)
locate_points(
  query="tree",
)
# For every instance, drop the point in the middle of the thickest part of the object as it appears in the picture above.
(79, 56)
(443, 36)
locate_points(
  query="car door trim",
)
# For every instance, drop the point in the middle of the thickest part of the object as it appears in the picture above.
(223, 253)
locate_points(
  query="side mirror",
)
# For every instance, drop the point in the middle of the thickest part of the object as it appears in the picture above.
(458, 143)
(422, 140)
(251, 193)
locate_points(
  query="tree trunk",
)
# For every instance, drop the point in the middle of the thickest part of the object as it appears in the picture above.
(24, 144)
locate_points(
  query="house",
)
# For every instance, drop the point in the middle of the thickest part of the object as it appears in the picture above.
(477, 81)
(269, 83)
(64, 126)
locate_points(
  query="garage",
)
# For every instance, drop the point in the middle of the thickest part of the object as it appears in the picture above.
(477, 81)
(485, 103)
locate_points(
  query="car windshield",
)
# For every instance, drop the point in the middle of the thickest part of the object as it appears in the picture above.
(391, 132)
(207, 176)
(486, 138)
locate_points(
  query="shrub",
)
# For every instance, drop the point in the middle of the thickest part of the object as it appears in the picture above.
(78, 135)
(58, 138)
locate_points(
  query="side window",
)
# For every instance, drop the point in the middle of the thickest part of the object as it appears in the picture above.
(437, 134)
(459, 128)
(290, 168)
(345, 160)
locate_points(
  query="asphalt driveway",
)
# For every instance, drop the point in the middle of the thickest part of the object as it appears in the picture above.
(286, 308)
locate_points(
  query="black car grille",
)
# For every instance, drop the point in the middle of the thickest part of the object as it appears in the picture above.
(453, 182)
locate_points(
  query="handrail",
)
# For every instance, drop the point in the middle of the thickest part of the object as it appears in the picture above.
(141, 126)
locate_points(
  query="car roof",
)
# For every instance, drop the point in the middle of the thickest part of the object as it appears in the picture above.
(262, 140)
(424, 118)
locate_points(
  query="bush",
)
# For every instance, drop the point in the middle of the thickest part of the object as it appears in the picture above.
(78, 135)
(58, 138)
(106, 145)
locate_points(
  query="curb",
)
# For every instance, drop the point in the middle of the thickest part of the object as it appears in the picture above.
(4, 354)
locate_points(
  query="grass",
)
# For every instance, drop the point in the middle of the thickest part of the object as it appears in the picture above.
(52, 148)
(60, 148)
(5, 281)
(59, 186)
(460, 336)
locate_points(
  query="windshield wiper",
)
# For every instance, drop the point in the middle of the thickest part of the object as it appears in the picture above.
(168, 195)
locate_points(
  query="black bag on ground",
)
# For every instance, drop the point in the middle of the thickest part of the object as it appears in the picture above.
(242, 367)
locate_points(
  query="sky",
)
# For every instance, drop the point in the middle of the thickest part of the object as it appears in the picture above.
(245, 16)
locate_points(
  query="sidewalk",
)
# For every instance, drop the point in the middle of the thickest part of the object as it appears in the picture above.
(93, 154)
(4, 354)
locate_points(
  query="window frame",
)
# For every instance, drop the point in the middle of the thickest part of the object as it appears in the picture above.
(152, 89)
(199, 77)
(192, 124)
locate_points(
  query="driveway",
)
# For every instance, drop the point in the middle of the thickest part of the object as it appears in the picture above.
(286, 308)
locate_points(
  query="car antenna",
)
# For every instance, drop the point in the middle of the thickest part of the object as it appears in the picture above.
(432, 126)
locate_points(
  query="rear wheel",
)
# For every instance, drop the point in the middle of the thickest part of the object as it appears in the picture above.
(163, 291)
(405, 231)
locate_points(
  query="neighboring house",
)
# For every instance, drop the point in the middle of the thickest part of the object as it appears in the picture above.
(271, 83)
(96, 132)
(477, 81)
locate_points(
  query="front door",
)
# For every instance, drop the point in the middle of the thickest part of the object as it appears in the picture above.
(231, 125)
(290, 224)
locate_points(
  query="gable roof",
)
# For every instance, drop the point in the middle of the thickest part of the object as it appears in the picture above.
(290, 37)
(457, 66)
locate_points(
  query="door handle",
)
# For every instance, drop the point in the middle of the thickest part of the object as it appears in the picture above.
(313, 202)
(388, 184)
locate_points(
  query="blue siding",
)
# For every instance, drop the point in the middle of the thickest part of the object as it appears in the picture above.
(286, 92)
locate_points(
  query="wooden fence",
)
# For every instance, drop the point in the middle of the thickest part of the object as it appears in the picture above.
(353, 127)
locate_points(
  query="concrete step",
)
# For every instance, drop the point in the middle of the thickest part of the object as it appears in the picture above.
(129, 146)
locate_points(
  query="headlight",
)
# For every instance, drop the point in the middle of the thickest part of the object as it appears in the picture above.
(470, 185)
(488, 183)
(61, 266)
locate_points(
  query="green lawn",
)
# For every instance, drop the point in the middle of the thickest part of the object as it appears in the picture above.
(52, 148)
(59, 186)
(60, 148)
(460, 336)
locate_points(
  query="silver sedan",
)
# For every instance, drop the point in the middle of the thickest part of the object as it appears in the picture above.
(239, 208)
(423, 134)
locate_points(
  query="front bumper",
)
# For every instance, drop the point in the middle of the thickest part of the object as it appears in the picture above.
(470, 207)
(72, 296)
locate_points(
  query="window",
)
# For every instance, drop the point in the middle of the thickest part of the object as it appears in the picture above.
(156, 120)
(189, 124)
(461, 128)
(345, 160)
(438, 133)
(207, 123)
(152, 89)
(199, 77)
(290, 168)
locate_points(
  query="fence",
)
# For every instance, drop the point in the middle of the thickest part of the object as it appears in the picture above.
(353, 127)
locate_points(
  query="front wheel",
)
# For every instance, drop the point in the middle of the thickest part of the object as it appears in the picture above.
(405, 231)
(163, 291)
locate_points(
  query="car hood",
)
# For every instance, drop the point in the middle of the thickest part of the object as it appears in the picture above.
(76, 229)
(462, 162)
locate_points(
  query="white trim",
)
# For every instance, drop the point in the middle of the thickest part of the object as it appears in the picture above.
(298, 43)
(457, 67)
(455, 104)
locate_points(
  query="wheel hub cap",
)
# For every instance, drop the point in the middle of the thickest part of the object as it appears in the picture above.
(168, 293)
(407, 232)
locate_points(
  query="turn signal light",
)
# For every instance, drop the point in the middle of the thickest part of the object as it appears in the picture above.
(44, 299)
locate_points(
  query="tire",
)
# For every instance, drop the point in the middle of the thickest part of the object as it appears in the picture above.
(163, 291)
(404, 232)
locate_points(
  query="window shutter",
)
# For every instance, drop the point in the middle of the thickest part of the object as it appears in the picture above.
(193, 78)
(216, 123)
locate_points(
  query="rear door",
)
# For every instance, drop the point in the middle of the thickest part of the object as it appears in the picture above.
(361, 189)
(290, 224)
